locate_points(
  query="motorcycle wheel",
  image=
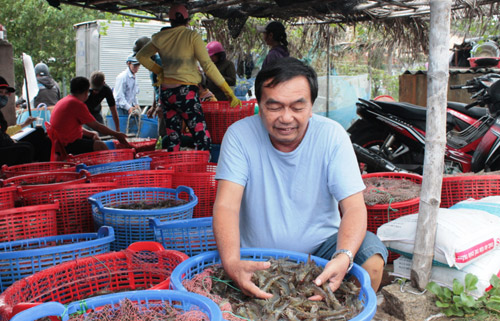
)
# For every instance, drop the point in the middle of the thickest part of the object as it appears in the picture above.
(373, 138)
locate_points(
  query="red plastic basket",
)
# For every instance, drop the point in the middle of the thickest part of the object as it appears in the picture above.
(30, 168)
(219, 115)
(28, 222)
(75, 213)
(460, 188)
(46, 178)
(201, 178)
(139, 144)
(102, 156)
(162, 158)
(8, 197)
(144, 265)
(145, 178)
(382, 213)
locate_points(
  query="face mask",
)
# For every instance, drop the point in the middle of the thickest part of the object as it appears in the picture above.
(3, 101)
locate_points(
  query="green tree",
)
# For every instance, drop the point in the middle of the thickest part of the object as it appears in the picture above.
(45, 33)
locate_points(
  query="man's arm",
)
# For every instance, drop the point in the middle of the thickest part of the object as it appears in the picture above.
(227, 236)
(351, 233)
(122, 138)
(116, 119)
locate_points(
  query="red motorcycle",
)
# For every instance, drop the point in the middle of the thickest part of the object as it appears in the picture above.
(390, 136)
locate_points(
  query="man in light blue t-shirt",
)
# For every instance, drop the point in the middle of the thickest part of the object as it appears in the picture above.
(282, 176)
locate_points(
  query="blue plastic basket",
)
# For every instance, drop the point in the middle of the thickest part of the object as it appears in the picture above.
(22, 258)
(139, 164)
(191, 236)
(133, 225)
(148, 299)
(197, 264)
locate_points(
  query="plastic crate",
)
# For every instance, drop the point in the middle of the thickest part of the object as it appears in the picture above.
(8, 197)
(191, 236)
(102, 157)
(28, 222)
(143, 163)
(460, 188)
(144, 265)
(147, 178)
(22, 258)
(144, 300)
(197, 264)
(75, 213)
(162, 158)
(133, 225)
(219, 115)
(30, 168)
(46, 178)
(201, 178)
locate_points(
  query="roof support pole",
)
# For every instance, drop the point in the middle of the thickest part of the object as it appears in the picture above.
(435, 141)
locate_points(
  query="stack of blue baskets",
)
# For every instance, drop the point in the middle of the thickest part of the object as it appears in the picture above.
(191, 236)
(22, 258)
(156, 300)
(139, 164)
(133, 225)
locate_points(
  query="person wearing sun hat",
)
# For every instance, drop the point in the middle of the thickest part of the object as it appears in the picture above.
(35, 146)
(274, 35)
(181, 49)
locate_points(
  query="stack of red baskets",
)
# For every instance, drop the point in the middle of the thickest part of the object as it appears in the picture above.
(201, 178)
(382, 213)
(161, 159)
(102, 157)
(219, 115)
(74, 214)
(460, 188)
(30, 168)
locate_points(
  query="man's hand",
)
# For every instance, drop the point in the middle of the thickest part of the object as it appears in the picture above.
(94, 135)
(122, 138)
(136, 109)
(30, 120)
(334, 273)
(241, 273)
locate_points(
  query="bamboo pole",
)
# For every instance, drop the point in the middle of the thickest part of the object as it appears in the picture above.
(435, 141)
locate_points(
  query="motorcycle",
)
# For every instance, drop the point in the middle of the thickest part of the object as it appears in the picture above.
(390, 136)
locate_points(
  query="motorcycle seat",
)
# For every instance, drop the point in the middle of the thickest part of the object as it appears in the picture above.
(403, 110)
(474, 112)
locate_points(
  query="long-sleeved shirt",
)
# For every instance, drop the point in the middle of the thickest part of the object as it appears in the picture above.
(126, 90)
(180, 49)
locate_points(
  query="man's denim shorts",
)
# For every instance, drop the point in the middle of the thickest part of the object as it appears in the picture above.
(371, 245)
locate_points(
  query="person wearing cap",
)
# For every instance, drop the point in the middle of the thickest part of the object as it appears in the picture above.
(68, 116)
(126, 88)
(180, 50)
(34, 146)
(275, 37)
(98, 91)
(156, 107)
(226, 68)
(48, 89)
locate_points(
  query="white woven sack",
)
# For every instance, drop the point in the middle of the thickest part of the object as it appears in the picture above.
(483, 268)
(462, 235)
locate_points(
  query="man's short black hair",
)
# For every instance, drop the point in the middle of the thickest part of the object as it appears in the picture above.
(283, 70)
(79, 85)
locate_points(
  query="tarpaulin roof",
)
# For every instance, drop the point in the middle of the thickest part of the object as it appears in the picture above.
(334, 11)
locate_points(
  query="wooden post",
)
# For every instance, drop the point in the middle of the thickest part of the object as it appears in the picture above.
(435, 141)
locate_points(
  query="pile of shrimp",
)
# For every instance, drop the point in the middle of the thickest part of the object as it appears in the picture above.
(291, 284)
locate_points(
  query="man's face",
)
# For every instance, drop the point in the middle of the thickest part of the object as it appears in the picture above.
(285, 110)
(134, 68)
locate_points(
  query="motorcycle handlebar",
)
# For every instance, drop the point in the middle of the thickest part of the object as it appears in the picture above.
(468, 106)
(452, 87)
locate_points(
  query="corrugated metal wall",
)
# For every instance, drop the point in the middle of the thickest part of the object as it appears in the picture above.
(108, 52)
